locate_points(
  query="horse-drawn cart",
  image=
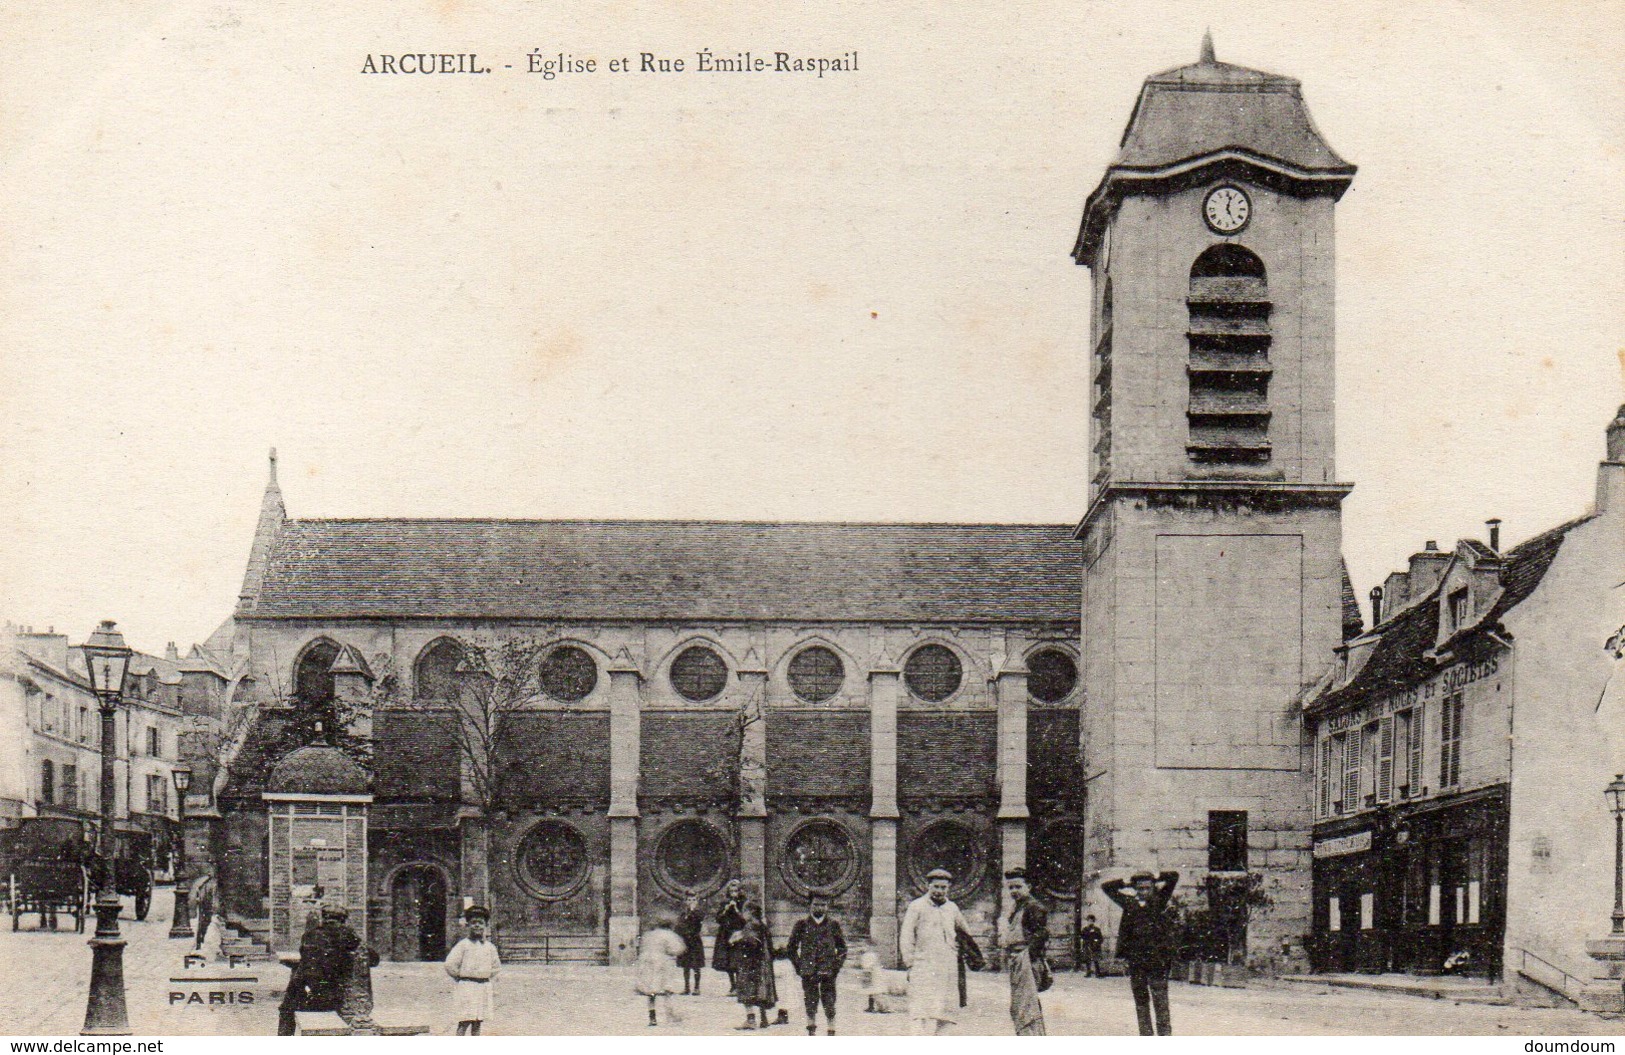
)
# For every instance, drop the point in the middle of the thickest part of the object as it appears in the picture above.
(49, 888)
(48, 866)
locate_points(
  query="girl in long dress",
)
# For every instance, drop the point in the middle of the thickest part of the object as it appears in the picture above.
(657, 974)
(691, 928)
(752, 956)
(730, 917)
(473, 963)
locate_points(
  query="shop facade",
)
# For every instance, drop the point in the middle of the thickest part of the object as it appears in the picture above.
(1414, 890)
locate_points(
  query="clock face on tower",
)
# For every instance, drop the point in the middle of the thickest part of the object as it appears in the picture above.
(1227, 209)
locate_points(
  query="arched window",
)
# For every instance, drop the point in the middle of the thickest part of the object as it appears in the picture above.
(553, 860)
(1052, 675)
(1229, 357)
(568, 674)
(47, 781)
(691, 858)
(313, 676)
(816, 674)
(699, 674)
(435, 675)
(953, 846)
(933, 673)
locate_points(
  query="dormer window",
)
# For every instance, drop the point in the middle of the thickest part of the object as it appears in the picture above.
(1459, 609)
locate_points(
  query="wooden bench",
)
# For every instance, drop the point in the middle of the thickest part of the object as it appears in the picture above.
(319, 1024)
(556, 948)
(389, 1025)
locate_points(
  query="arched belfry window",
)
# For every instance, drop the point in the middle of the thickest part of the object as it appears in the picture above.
(435, 675)
(1101, 409)
(1229, 364)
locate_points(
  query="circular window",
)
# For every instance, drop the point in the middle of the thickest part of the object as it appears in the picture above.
(568, 673)
(933, 673)
(950, 845)
(1051, 675)
(816, 674)
(1055, 858)
(820, 857)
(691, 858)
(552, 860)
(698, 674)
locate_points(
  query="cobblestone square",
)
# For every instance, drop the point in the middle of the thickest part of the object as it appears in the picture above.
(43, 979)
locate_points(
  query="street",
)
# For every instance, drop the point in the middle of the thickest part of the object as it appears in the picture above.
(43, 979)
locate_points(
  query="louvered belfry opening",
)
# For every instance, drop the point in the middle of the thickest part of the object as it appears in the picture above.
(1229, 364)
(1101, 407)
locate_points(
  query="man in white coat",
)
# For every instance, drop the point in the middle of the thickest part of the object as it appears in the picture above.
(929, 943)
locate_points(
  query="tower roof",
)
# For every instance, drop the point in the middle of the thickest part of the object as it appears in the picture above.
(1210, 118)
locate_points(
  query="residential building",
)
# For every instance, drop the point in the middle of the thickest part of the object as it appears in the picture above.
(1461, 760)
(53, 722)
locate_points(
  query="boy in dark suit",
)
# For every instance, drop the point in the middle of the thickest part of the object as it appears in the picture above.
(1148, 940)
(817, 950)
(1091, 940)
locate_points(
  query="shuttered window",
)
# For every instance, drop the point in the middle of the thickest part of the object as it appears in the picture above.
(1385, 760)
(1416, 742)
(1328, 761)
(1351, 771)
(1334, 766)
(1450, 716)
(1402, 754)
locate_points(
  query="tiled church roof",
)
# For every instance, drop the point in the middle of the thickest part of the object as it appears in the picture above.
(671, 570)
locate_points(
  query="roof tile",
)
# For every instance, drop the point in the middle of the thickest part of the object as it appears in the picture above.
(672, 570)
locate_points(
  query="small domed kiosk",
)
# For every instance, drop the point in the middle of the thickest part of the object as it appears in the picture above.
(317, 798)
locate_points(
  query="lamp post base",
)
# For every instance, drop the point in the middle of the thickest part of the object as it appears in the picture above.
(181, 925)
(105, 1013)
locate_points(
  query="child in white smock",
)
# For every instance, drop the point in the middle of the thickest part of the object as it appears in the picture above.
(473, 963)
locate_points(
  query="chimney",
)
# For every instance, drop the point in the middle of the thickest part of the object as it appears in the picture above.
(172, 653)
(1494, 524)
(1426, 569)
(1395, 591)
(1616, 437)
(1376, 605)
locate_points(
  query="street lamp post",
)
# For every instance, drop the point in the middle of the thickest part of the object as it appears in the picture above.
(1616, 802)
(107, 658)
(181, 925)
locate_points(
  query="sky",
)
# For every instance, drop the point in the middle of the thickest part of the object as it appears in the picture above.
(734, 296)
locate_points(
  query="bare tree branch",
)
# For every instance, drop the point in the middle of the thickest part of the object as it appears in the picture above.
(474, 692)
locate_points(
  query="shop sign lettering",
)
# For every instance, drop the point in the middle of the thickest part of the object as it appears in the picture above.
(1453, 679)
(1343, 844)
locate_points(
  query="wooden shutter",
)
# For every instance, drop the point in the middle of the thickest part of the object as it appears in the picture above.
(1351, 771)
(1385, 760)
(1328, 762)
(1447, 715)
(1417, 739)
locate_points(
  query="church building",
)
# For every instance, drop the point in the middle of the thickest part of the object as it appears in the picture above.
(841, 708)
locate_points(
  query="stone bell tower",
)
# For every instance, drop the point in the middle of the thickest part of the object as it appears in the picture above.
(1213, 575)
